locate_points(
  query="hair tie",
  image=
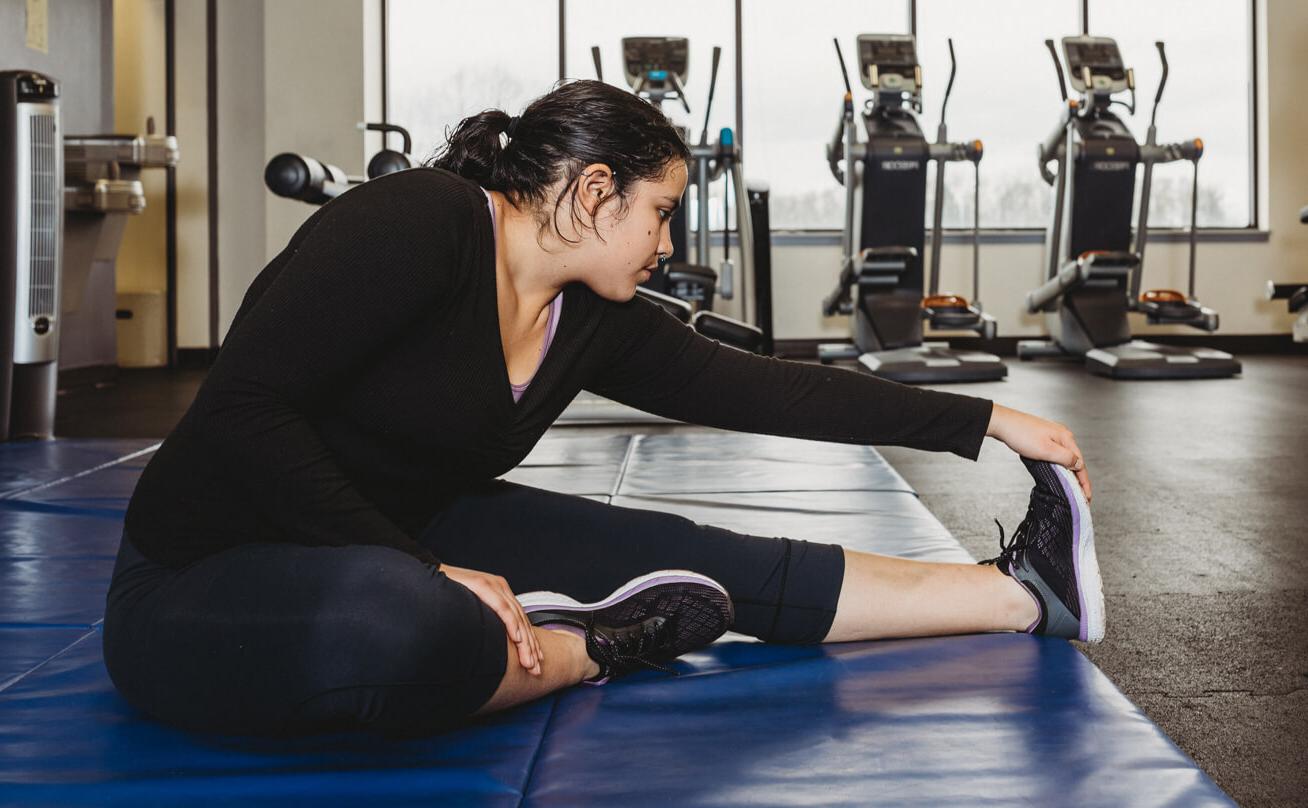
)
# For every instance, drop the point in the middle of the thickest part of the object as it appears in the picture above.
(512, 127)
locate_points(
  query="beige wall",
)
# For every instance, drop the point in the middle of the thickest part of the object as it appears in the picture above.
(292, 76)
(139, 71)
(311, 88)
(192, 177)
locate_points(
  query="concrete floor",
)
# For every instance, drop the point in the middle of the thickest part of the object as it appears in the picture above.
(1201, 521)
(1201, 517)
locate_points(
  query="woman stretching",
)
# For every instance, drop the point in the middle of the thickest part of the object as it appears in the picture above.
(322, 542)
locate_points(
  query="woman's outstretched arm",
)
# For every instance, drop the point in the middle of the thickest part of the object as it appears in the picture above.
(660, 365)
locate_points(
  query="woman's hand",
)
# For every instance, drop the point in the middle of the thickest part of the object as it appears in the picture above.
(1039, 439)
(494, 591)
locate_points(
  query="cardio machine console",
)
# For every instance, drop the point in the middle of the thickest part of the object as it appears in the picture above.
(651, 62)
(888, 62)
(1100, 57)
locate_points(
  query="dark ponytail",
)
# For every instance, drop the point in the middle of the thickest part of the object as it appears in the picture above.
(574, 125)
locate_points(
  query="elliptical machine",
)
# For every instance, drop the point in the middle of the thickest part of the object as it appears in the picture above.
(656, 68)
(886, 222)
(1295, 296)
(1093, 271)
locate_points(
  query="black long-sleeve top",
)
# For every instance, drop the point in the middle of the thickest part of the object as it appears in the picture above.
(363, 383)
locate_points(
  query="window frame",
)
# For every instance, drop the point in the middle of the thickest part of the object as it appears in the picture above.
(1252, 230)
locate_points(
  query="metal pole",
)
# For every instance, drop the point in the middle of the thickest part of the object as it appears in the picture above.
(170, 128)
(702, 195)
(851, 175)
(1194, 218)
(740, 85)
(937, 217)
(211, 91)
(563, 42)
(976, 234)
(385, 59)
(1142, 221)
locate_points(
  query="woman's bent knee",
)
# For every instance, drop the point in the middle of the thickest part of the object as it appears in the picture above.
(341, 639)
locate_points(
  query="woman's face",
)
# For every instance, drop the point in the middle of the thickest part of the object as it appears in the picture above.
(623, 250)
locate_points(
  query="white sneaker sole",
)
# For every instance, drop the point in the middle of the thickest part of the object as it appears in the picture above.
(1089, 584)
(535, 601)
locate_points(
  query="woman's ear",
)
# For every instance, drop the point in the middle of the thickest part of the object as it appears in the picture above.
(594, 186)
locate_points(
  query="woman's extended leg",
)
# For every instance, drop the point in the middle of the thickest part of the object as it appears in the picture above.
(783, 590)
(883, 596)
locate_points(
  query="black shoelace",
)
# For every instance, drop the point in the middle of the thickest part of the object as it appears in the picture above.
(618, 653)
(1015, 549)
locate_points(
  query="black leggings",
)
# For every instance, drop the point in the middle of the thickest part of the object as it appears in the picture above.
(277, 639)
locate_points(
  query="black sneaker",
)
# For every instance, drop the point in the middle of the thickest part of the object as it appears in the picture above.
(1052, 554)
(646, 623)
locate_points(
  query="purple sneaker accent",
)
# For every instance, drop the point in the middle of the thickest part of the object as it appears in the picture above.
(600, 679)
(1089, 590)
(563, 627)
(1076, 550)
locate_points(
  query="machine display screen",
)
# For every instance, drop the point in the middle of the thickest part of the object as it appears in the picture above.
(897, 54)
(1102, 57)
(641, 54)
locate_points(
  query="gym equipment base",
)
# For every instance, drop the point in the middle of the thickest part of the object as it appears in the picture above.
(1138, 359)
(1003, 719)
(928, 363)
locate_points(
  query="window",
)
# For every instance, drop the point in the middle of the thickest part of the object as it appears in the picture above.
(1208, 95)
(793, 98)
(439, 73)
(1005, 93)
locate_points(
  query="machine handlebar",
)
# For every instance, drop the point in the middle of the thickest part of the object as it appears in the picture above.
(1048, 148)
(1191, 150)
(1058, 66)
(949, 88)
(836, 148)
(971, 151)
(838, 301)
(1162, 82)
(713, 84)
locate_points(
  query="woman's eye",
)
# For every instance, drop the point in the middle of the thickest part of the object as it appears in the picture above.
(665, 214)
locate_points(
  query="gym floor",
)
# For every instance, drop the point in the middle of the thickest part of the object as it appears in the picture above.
(1201, 515)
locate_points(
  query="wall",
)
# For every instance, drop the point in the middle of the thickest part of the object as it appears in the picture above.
(291, 79)
(81, 57)
(315, 95)
(192, 176)
(139, 93)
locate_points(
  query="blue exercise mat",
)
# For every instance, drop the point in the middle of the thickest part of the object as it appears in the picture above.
(997, 719)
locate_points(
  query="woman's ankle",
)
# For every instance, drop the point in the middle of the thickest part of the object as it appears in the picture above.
(573, 642)
(1025, 608)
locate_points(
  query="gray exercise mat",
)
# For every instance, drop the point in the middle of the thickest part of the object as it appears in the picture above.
(889, 522)
(589, 408)
(735, 462)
